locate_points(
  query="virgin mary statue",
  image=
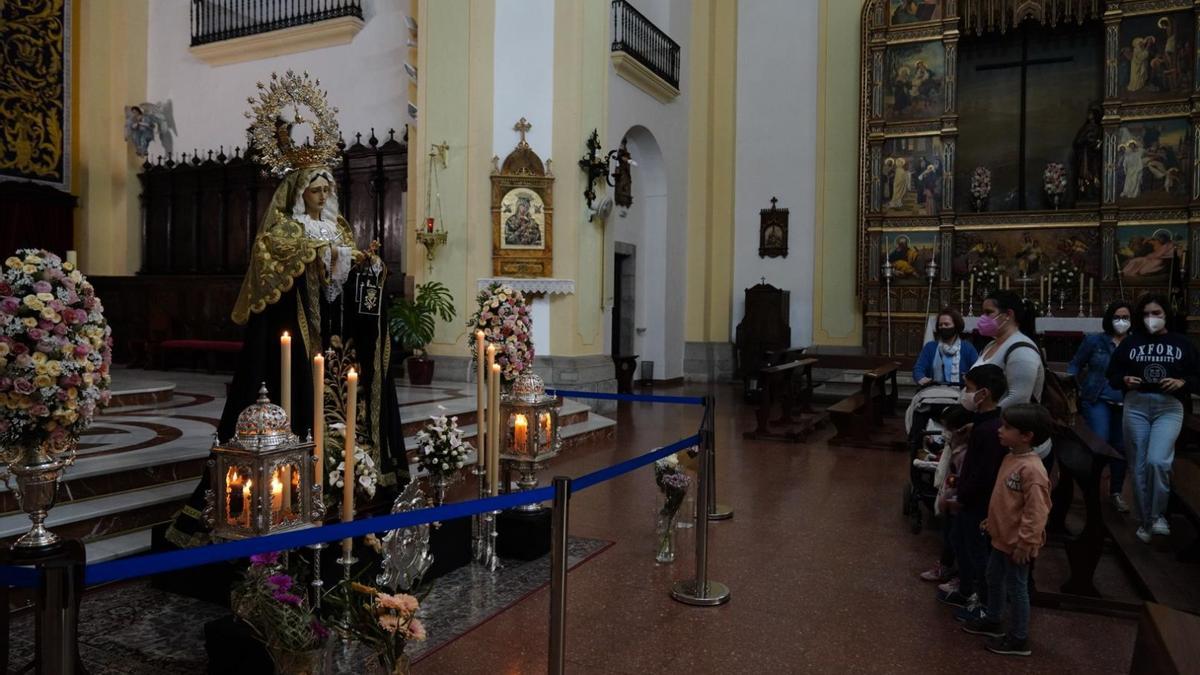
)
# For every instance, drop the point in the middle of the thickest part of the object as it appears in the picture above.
(307, 278)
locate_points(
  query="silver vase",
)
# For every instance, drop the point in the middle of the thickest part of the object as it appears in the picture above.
(38, 473)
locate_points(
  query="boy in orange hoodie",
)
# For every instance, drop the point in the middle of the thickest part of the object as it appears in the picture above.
(1016, 522)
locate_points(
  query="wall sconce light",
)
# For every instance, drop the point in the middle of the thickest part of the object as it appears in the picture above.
(597, 169)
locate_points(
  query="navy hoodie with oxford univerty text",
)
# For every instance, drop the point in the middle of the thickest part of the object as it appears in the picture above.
(1154, 358)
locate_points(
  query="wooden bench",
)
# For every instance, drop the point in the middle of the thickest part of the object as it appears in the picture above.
(1168, 642)
(789, 383)
(857, 416)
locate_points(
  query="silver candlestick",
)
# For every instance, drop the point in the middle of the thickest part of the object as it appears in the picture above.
(888, 272)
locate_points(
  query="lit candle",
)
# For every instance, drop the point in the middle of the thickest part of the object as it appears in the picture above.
(276, 498)
(285, 374)
(520, 431)
(247, 501)
(480, 389)
(348, 454)
(545, 424)
(494, 431)
(319, 417)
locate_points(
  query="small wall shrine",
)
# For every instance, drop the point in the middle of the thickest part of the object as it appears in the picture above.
(522, 212)
(1044, 146)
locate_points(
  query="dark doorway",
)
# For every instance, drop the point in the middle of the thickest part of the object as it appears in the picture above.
(623, 304)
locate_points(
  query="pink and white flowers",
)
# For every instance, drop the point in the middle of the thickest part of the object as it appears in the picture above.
(505, 320)
(440, 447)
(55, 352)
(981, 183)
(1055, 179)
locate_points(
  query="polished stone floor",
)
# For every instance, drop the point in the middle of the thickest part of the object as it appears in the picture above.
(821, 564)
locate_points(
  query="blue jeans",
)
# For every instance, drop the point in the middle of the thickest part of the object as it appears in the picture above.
(1104, 419)
(970, 551)
(1005, 576)
(1152, 423)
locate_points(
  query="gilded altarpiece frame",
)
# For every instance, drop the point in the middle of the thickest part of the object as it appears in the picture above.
(914, 128)
(522, 214)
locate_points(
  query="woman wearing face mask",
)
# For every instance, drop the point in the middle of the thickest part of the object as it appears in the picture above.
(1100, 402)
(1007, 319)
(1156, 368)
(944, 359)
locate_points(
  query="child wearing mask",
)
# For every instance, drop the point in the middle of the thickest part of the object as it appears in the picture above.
(956, 426)
(1016, 523)
(985, 387)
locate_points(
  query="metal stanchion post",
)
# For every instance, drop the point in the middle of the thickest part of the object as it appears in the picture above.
(701, 591)
(56, 613)
(716, 511)
(559, 524)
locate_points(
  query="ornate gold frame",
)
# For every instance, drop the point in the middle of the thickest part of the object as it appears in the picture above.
(522, 168)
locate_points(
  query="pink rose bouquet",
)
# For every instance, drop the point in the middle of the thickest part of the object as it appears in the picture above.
(505, 320)
(55, 352)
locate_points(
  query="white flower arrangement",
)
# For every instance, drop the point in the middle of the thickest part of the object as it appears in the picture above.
(1055, 179)
(441, 449)
(981, 183)
(366, 474)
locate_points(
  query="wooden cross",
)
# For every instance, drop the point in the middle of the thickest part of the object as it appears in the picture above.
(773, 200)
(764, 279)
(522, 126)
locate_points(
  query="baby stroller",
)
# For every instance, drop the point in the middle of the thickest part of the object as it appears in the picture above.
(925, 446)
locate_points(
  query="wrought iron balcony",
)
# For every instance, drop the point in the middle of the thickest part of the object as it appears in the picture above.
(216, 20)
(637, 36)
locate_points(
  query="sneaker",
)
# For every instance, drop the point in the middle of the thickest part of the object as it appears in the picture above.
(950, 586)
(953, 598)
(938, 572)
(973, 610)
(984, 625)
(1144, 535)
(1009, 645)
(1118, 503)
(1161, 527)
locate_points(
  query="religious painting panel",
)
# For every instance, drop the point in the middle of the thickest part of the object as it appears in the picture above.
(909, 253)
(1155, 56)
(35, 132)
(524, 217)
(910, 178)
(1024, 255)
(914, 79)
(901, 12)
(1149, 255)
(1152, 161)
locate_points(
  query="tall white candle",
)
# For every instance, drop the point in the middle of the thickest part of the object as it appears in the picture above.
(480, 402)
(319, 418)
(285, 373)
(494, 432)
(348, 454)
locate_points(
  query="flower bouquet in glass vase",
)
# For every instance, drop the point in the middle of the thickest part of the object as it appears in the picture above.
(981, 187)
(273, 605)
(382, 622)
(441, 451)
(673, 482)
(55, 353)
(1054, 180)
(504, 317)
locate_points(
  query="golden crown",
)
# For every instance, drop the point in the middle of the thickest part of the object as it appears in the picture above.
(271, 131)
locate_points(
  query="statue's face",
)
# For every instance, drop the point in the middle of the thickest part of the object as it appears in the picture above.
(316, 194)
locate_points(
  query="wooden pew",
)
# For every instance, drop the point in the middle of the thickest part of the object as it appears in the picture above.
(857, 416)
(1168, 642)
(789, 383)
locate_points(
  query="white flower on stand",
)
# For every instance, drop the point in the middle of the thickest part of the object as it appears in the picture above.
(443, 450)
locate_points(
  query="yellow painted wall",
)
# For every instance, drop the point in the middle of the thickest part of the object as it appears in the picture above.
(454, 101)
(711, 168)
(837, 319)
(111, 73)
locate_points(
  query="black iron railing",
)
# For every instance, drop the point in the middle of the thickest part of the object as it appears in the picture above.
(216, 20)
(637, 36)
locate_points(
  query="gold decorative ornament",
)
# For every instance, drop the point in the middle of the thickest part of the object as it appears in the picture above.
(271, 131)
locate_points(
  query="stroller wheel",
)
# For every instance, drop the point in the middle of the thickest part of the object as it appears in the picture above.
(908, 499)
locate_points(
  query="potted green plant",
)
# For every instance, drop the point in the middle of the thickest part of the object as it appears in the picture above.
(412, 323)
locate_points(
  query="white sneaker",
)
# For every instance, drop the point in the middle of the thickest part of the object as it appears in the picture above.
(1144, 535)
(1118, 503)
(1161, 527)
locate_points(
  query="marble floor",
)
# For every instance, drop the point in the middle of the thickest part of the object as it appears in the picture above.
(821, 563)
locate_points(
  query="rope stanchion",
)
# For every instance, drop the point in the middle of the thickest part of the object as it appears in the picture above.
(632, 398)
(701, 591)
(716, 510)
(559, 531)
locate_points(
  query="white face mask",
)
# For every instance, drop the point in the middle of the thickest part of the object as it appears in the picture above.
(967, 400)
(1155, 323)
(1120, 326)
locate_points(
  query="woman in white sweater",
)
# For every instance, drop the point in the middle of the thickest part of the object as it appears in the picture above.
(1009, 321)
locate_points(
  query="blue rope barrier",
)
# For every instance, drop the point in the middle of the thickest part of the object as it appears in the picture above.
(609, 473)
(158, 563)
(637, 398)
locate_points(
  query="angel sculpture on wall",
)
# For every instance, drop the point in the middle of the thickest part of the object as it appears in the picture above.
(144, 120)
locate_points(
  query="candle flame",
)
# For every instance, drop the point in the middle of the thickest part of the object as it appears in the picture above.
(351, 374)
(285, 334)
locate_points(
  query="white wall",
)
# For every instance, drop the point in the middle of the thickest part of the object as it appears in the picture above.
(365, 78)
(776, 149)
(523, 75)
(657, 222)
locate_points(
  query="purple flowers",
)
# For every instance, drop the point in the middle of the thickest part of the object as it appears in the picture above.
(264, 559)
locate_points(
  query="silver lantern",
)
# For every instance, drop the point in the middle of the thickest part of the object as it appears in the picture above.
(263, 480)
(531, 435)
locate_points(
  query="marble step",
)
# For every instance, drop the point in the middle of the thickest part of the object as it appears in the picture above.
(119, 546)
(417, 416)
(89, 519)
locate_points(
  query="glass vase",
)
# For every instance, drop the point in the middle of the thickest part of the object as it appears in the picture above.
(312, 662)
(664, 537)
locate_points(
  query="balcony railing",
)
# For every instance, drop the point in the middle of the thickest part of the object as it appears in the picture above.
(216, 20)
(637, 36)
